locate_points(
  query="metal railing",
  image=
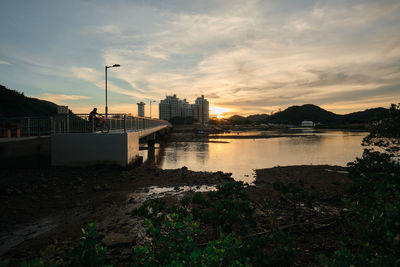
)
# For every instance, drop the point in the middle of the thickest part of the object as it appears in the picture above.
(75, 123)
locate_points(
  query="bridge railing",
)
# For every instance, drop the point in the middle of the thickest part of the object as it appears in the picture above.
(73, 123)
(114, 122)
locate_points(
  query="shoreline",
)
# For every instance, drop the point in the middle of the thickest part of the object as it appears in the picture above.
(210, 137)
(54, 203)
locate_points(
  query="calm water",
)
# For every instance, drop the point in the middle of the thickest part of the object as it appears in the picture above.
(242, 156)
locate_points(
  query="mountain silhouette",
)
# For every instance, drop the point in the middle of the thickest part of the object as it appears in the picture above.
(16, 104)
(309, 112)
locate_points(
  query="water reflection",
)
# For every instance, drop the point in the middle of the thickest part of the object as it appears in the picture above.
(151, 156)
(242, 156)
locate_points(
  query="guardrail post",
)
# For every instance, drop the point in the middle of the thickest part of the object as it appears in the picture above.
(125, 123)
(52, 125)
(67, 123)
(29, 126)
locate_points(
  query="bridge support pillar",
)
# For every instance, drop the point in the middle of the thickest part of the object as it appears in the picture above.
(151, 140)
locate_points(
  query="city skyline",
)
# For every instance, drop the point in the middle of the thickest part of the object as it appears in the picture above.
(245, 57)
(172, 107)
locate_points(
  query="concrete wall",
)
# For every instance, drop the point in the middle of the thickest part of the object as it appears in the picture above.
(132, 146)
(94, 148)
(24, 152)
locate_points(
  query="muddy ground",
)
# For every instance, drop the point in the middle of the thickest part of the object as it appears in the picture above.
(44, 206)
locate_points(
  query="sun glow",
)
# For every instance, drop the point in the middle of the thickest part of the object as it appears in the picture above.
(218, 111)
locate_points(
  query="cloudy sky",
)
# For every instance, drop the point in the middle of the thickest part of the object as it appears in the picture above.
(246, 57)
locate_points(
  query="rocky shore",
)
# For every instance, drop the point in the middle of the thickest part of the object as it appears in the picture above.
(48, 206)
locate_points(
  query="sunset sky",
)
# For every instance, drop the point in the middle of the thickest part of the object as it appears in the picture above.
(246, 57)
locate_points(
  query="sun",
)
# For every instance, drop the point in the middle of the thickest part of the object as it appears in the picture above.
(218, 111)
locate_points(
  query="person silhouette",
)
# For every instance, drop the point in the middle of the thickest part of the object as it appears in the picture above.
(93, 115)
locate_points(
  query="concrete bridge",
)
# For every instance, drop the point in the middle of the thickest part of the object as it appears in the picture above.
(119, 144)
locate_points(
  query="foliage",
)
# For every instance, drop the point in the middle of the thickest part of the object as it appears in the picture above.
(385, 133)
(88, 252)
(151, 209)
(298, 192)
(227, 209)
(174, 241)
(5, 263)
(171, 242)
(50, 257)
(174, 244)
(375, 200)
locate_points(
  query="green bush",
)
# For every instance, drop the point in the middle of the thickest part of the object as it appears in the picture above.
(375, 200)
(174, 244)
(88, 252)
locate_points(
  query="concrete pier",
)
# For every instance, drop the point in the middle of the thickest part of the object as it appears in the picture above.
(81, 149)
(94, 148)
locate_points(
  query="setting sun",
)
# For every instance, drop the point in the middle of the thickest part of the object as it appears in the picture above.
(218, 111)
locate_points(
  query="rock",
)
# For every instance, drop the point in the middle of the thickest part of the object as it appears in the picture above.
(106, 187)
(141, 233)
(97, 188)
(9, 191)
(80, 191)
(117, 240)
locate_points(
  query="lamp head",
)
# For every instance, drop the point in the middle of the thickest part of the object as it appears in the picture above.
(113, 66)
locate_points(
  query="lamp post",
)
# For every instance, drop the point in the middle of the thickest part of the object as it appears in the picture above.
(150, 106)
(107, 67)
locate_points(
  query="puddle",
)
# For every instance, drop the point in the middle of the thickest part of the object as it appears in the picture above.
(329, 170)
(156, 192)
(11, 240)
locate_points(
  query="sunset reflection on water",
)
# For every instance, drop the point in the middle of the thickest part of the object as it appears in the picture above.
(242, 156)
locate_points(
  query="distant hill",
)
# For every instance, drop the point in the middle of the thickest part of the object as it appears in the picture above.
(296, 114)
(16, 104)
(258, 118)
(365, 116)
(237, 118)
(308, 112)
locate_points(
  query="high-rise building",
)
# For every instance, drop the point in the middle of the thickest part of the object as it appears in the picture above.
(186, 109)
(168, 108)
(141, 109)
(172, 106)
(201, 109)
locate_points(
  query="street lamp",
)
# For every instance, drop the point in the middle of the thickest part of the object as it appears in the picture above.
(150, 106)
(107, 67)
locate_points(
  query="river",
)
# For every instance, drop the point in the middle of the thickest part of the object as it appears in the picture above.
(241, 156)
